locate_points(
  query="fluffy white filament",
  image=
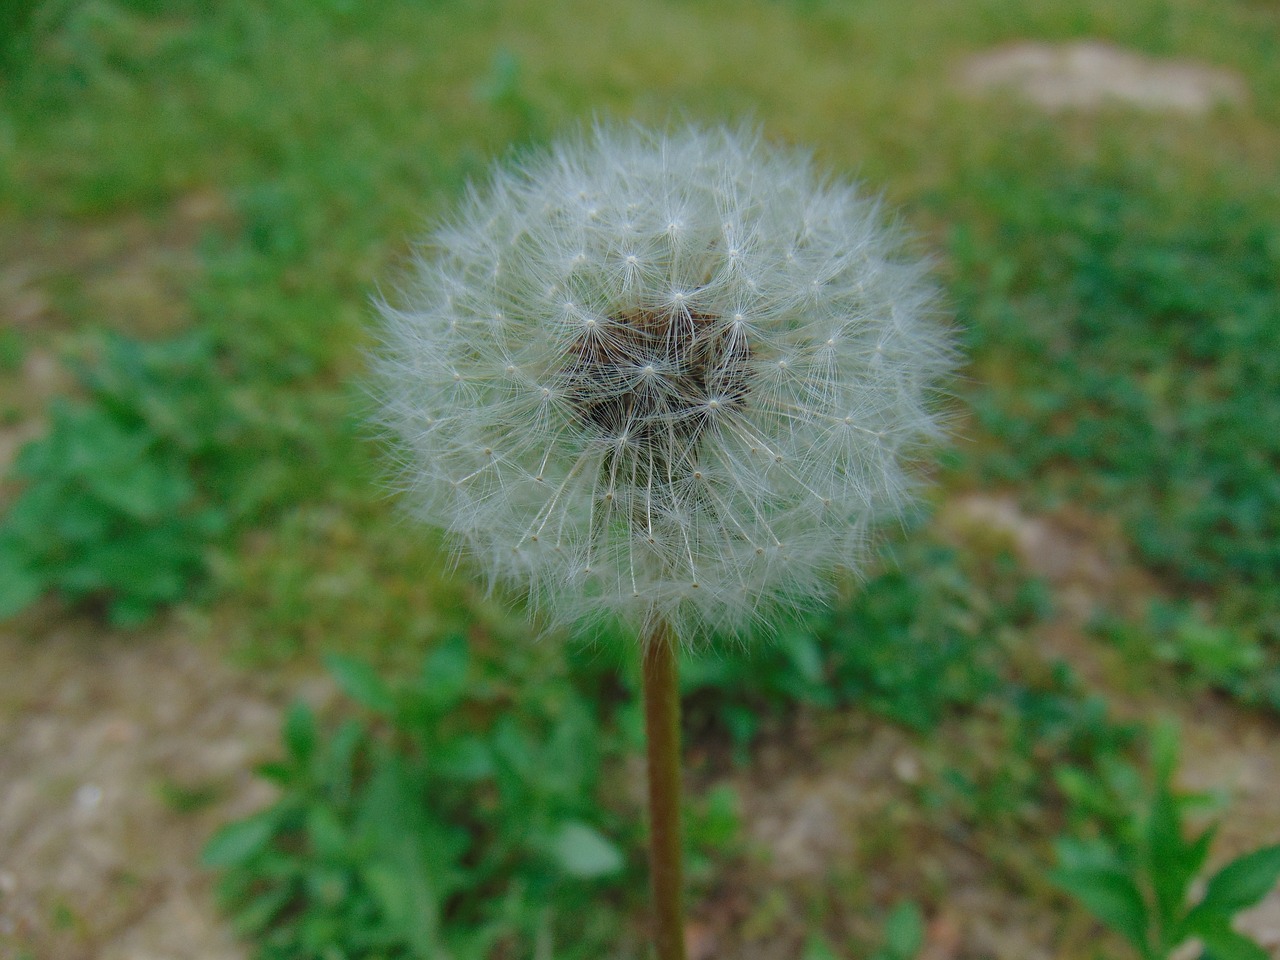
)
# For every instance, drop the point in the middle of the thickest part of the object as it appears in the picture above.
(663, 377)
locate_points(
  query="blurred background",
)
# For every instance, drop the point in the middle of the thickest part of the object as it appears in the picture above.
(246, 710)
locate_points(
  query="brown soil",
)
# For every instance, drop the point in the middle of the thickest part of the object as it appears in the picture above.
(118, 757)
(1089, 74)
(129, 272)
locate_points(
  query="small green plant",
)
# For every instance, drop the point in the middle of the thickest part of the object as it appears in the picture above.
(924, 636)
(918, 639)
(1036, 748)
(1204, 650)
(1139, 881)
(461, 818)
(120, 499)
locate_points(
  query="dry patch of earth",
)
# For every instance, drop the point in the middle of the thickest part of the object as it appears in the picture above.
(118, 757)
(129, 272)
(1091, 74)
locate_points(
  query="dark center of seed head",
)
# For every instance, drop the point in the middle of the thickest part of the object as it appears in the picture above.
(654, 378)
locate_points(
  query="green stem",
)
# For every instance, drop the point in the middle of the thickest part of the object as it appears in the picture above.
(662, 727)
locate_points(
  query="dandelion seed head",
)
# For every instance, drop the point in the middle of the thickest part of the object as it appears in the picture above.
(670, 377)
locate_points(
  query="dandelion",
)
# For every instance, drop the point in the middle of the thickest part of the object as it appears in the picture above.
(671, 380)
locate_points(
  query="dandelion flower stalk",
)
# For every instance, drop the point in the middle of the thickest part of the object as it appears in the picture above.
(665, 380)
(662, 732)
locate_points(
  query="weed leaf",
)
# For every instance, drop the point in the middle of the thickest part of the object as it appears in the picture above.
(904, 931)
(237, 843)
(444, 674)
(817, 948)
(359, 681)
(1243, 882)
(18, 585)
(1172, 861)
(582, 851)
(1112, 897)
(299, 733)
(1224, 943)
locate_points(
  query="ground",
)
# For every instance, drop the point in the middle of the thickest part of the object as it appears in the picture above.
(120, 753)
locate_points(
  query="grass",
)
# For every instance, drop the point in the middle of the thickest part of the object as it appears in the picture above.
(1113, 273)
(1146, 326)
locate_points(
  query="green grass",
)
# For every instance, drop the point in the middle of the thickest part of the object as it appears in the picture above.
(1141, 324)
(1113, 273)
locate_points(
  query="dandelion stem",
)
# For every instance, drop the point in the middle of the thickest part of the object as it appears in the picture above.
(662, 727)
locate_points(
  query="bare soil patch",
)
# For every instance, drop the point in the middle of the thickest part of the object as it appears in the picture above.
(118, 757)
(1091, 74)
(129, 272)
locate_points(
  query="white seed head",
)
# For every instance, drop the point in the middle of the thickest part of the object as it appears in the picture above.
(724, 365)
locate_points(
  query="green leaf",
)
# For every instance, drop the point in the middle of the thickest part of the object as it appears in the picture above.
(237, 843)
(466, 759)
(1243, 882)
(146, 490)
(19, 586)
(1197, 851)
(360, 682)
(391, 893)
(743, 723)
(299, 732)
(50, 518)
(1178, 929)
(328, 836)
(904, 931)
(803, 651)
(338, 769)
(583, 852)
(1225, 944)
(817, 948)
(280, 774)
(258, 913)
(1165, 740)
(129, 611)
(420, 855)
(515, 755)
(1075, 854)
(1172, 861)
(716, 823)
(445, 673)
(1112, 897)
